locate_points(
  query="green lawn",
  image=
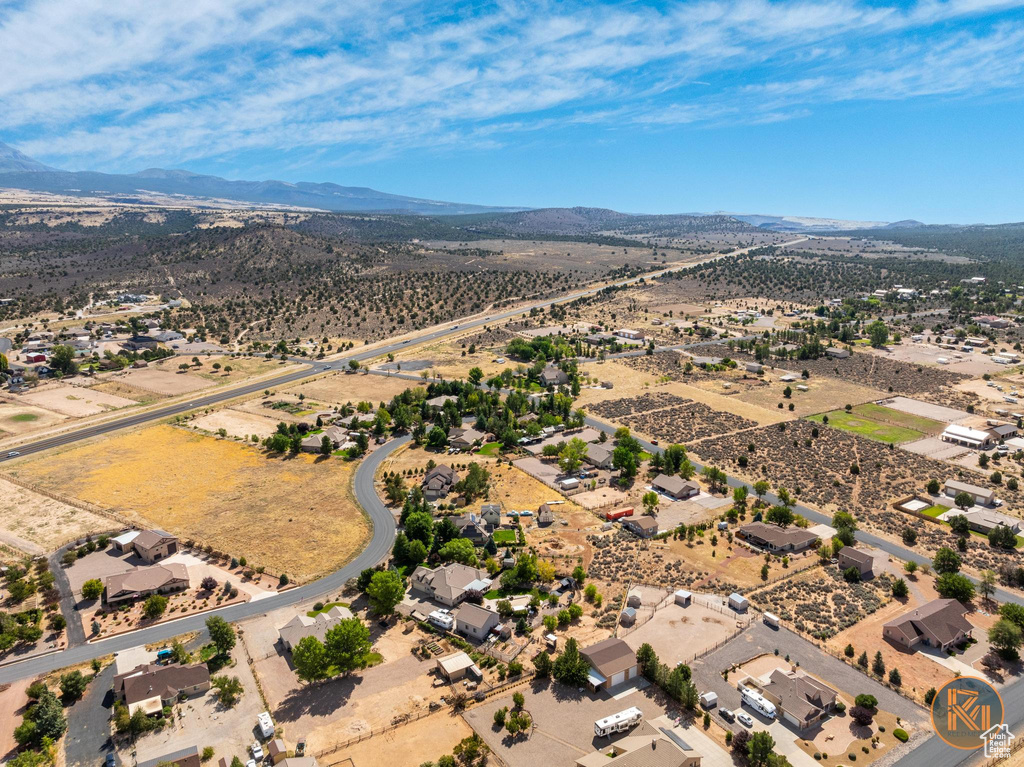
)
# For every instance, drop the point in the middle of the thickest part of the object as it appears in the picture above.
(866, 427)
(24, 417)
(325, 608)
(935, 511)
(503, 537)
(491, 448)
(907, 420)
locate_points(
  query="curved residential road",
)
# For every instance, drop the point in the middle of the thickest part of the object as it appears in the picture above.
(379, 547)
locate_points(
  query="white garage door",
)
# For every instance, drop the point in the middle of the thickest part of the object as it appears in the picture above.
(618, 678)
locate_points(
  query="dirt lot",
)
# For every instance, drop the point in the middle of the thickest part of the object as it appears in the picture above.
(970, 363)
(668, 417)
(340, 388)
(16, 418)
(75, 401)
(122, 389)
(678, 634)
(162, 379)
(38, 524)
(415, 743)
(12, 701)
(294, 515)
(236, 423)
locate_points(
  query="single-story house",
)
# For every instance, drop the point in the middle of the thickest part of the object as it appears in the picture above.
(491, 514)
(152, 686)
(185, 757)
(1000, 430)
(612, 662)
(645, 526)
(965, 436)
(153, 545)
(658, 743)
(754, 367)
(302, 626)
(837, 353)
(438, 403)
(599, 456)
(475, 621)
(454, 667)
(676, 488)
(552, 376)
(438, 482)
(630, 334)
(982, 496)
(123, 542)
(143, 581)
(777, 539)
(448, 584)
(802, 699)
(166, 336)
(940, 623)
(986, 520)
(862, 560)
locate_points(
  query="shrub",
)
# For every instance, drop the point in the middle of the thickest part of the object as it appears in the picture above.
(900, 735)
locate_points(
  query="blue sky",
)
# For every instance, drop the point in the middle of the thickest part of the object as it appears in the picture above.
(861, 110)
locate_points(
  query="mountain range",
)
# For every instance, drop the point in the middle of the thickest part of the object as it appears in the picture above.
(19, 171)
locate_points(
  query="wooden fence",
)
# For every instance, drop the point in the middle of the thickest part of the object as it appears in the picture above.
(78, 504)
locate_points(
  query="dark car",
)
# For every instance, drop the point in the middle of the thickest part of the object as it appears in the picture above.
(110, 761)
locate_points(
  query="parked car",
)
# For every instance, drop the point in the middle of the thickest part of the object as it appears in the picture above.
(745, 719)
(110, 761)
(727, 714)
(257, 751)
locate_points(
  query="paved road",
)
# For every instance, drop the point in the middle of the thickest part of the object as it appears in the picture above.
(88, 740)
(75, 631)
(379, 547)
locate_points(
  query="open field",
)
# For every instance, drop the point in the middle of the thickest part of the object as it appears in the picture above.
(859, 422)
(16, 418)
(677, 633)
(122, 389)
(341, 388)
(241, 368)
(236, 423)
(75, 401)
(293, 515)
(40, 524)
(163, 380)
(415, 743)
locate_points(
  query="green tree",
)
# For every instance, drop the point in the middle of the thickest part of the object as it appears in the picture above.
(899, 588)
(347, 645)
(62, 359)
(878, 333)
(779, 515)
(650, 502)
(385, 591)
(326, 446)
(571, 456)
(92, 589)
(570, 667)
(72, 686)
(959, 524)
(954, 586)
(1014, 612)
(154, 606)
(222, 635)
(963, 500)
(878, 664)
(310, 659)
(460, 550)
(475, 484)
(228, 690)
(760, 749)
(1006, 637)
(946, 561)
(543, 664)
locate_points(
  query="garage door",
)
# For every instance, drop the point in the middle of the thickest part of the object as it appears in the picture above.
(618, 678)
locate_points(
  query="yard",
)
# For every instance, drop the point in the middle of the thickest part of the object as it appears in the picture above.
(678, 634)
(75, 401)
(295, 515)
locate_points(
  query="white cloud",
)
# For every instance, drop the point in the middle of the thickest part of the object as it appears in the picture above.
(99, 84)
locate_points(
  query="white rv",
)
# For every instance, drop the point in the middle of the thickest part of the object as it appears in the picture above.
(758, 702)
(443, 619)
(619, 722)
(266, 725)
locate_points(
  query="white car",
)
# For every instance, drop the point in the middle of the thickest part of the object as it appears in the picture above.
(745, 719)
(257, 751)
(251, 763)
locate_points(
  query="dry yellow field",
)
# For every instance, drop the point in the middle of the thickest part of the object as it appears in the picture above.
(37, 524)
(295, 515)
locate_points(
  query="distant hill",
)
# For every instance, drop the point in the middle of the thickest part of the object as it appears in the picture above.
(569, 222)
(18, 171)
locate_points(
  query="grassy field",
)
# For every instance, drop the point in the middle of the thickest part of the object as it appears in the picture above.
(865, 420)
(504, 537)
(935, 510)
(899, 418)
(294, 515)
(491, 448)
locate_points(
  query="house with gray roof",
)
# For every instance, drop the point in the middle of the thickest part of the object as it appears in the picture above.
(802, 699)
(552, 376)
(153, 545)
(301, 626)
(850, 557)
(677, 488)
(143, 581)
(448, 584)
(438, 482)
(475, 621)
(152, 686)
(599, 456)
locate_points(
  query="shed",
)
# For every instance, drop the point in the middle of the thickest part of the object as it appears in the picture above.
(633, 600)
(709, 699)
(738, 602)
(683, 598)
(628, 617)
(277, 750)
(454, 667)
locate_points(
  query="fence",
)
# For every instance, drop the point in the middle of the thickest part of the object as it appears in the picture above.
(743, 620)
(83, 505)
